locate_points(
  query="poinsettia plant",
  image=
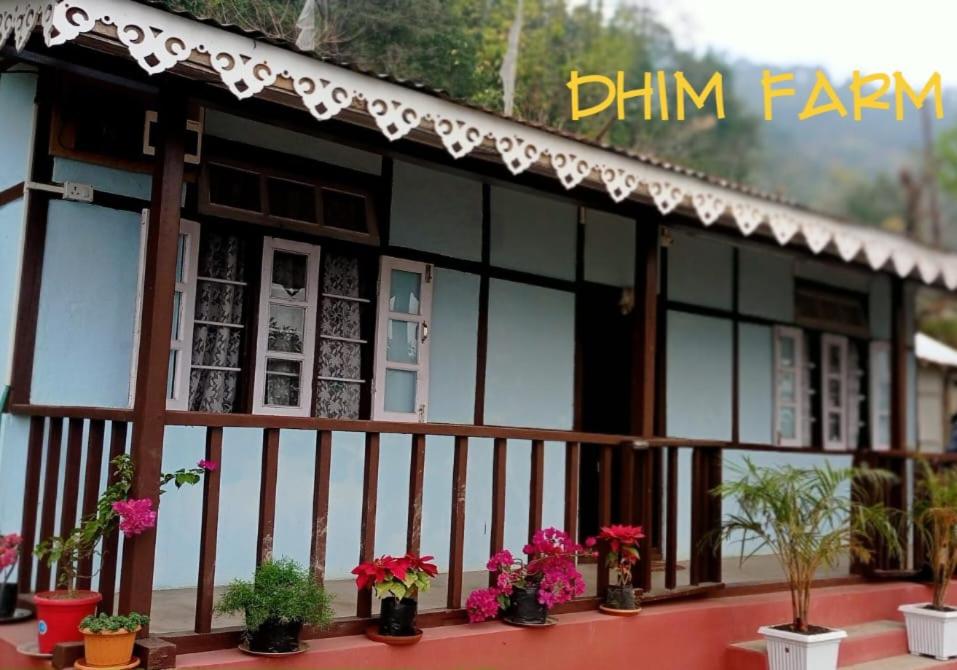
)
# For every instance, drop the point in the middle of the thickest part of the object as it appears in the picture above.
(621, 542)
(9, 554)
(396, 576)
(549, 566)
(113, 509)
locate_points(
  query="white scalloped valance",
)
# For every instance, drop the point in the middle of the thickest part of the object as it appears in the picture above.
(159, 40)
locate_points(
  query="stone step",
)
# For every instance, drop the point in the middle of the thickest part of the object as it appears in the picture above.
(904, 662)
(864, 642)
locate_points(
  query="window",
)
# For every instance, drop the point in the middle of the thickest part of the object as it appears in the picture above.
(789, 386)
(184, 297)
(827, 308)
(834, 391)
(268, 188)
(343, 340)
(206, 344)
(880, 396)
(288, 300)
(402, 341)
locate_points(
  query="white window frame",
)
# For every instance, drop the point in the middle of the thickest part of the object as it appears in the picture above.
(842, 376)
(184, 344)
(307, 357)
(877, 349)
(388, 264)
(798, 370)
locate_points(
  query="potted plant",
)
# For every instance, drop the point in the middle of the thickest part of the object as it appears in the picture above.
(60, 612)
(397, 581)
(9, 555)
(932, 627)
(108, 640)
(621, 546)
(807, 518)
(526, 590)
(281, 598)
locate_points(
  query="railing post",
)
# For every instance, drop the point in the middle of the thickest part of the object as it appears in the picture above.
(149, 406)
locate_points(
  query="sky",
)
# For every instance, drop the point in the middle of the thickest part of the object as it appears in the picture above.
(915, 37)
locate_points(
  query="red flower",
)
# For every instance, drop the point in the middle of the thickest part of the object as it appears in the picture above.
(423, 564)
(370, 572)
(619, 535)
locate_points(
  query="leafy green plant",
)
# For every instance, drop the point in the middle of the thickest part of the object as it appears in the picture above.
(808, 518)
(934, 514)
(105, 623)
(281, 591)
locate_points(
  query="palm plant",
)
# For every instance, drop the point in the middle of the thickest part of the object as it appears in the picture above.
(935, 521)
(808, 518)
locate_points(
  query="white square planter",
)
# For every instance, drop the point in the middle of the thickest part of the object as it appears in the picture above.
(793, 651)
(930, 633)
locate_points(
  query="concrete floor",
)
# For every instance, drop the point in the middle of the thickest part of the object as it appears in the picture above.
(175, 609)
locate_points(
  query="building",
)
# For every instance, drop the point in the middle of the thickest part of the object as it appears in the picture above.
(396, 320)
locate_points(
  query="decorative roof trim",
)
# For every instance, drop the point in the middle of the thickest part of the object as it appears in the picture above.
(158, 40)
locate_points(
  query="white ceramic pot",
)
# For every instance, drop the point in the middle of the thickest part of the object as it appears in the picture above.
(930, 633)
(794, 651)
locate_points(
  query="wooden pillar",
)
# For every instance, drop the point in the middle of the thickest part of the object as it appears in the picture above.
(897, 495)
(643, 381)
(149, 406)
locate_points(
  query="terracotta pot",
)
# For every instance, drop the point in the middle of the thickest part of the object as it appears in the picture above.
(59, 614)
(108, 648)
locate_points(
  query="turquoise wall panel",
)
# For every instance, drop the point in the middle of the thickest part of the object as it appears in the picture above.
(755, 383)
(87, 308)
(17, 92)
(700, 271)
(766, 284)
(699, 376)
(11, 246)
(436, 211)
(533, 233)
(609, 248)
(121, 182)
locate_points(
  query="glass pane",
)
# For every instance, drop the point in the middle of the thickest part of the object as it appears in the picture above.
(289, 276)
(344, 210)
(404, 296)
(234, 188)
(834, 358)
(834, 431)
(177, 328)
(291, 199)
(180, 258)
(834, 396)
(402, 342)
(171, 375)
(884, 397)
(786, 387)
(282, 382)
(400, 391)
(786, 423)
(884, 429)
(787, 351)
(286, 328)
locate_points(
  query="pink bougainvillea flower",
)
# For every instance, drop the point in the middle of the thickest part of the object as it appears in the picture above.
(209, 466)
(500, 561)
(8, 557)
(482, 604)
(136, 515)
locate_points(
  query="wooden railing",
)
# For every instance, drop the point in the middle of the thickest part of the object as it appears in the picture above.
(641, 461)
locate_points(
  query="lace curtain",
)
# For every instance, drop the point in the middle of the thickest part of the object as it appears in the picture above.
(339, 380)
(218, 324)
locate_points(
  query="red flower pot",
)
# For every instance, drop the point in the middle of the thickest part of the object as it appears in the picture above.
(59, 614)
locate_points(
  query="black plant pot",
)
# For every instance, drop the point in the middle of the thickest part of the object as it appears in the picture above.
(8, 599)
(274, 637)
(524, 607)
(620, 598)
(398, 617)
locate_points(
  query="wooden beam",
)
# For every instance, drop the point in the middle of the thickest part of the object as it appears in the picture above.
(111, 543)
(481, 354)
(536, 487)
(370, 494)
(31, 500)
(320, 504)
(206, 577)
(457, 530)
(149, 406)
(572, 484)
(416, 483)
(267, 495)
(496, 534)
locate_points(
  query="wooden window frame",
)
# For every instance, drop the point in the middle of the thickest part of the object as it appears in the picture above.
(877, 348)
(383, 316)
(311, 306)
(797, 335)
(319, 176)
(842, 376)
(187, 307)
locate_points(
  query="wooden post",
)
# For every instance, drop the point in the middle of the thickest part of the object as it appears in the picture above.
(149, 406)
(897, 493)
(643, 380)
